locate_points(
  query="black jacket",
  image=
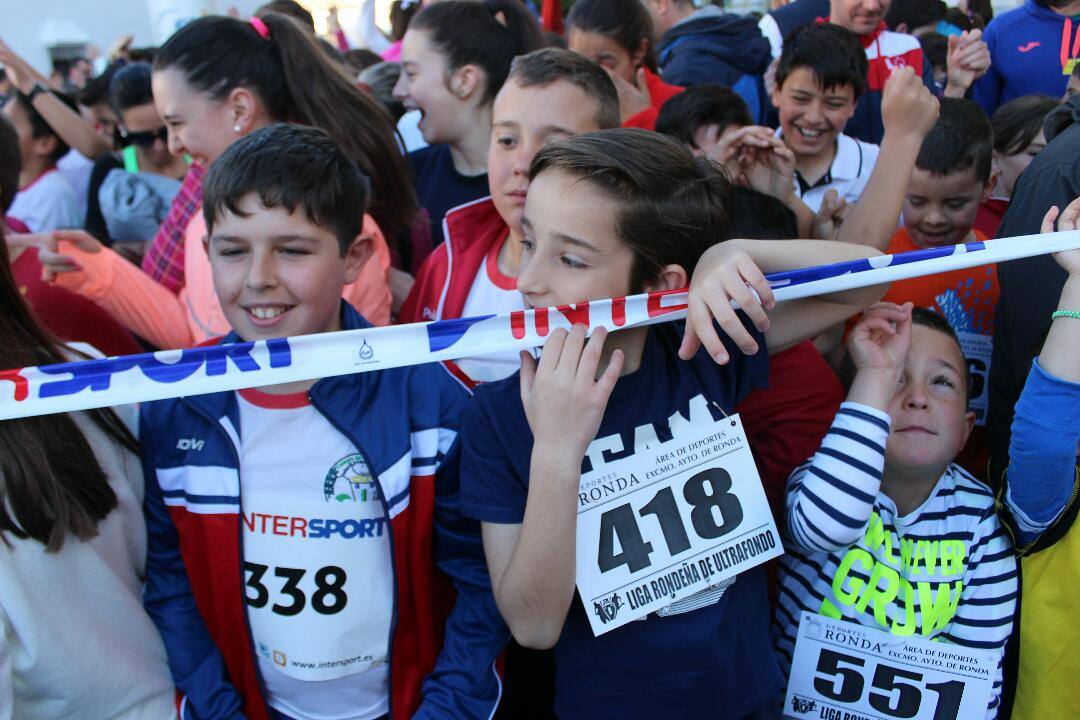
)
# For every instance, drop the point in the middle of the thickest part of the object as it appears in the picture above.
(1030, 288)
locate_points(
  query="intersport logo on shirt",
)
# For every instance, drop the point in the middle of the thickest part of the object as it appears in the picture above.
(350, 480)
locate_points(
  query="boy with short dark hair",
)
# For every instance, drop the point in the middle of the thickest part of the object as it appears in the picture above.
(819, 79)
(882, 528)
(549, 95)
(294, 530)
(46, 200)
(701, 115)
(950, 180)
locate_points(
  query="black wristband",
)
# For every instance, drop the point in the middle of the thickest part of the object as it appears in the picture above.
(39, 87)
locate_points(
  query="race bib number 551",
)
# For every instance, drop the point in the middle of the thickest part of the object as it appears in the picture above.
(668, 522)
(844, 671)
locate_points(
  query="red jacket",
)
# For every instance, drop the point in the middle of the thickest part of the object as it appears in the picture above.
(660, 92)
(444, 280)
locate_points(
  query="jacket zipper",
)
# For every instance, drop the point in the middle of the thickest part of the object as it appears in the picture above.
(240, 547)
(390, 533)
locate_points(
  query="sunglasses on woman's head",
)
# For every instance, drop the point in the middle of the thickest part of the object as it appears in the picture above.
(146, 138)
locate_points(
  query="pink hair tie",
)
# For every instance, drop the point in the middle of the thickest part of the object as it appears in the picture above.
(260, 27)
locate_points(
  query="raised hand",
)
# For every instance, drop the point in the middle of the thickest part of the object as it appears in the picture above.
(878, 346)
(633, 97)
(725, 273)
(50, 253)
(1067, 220)
(908, 108)
(967, 60)
(830, 216)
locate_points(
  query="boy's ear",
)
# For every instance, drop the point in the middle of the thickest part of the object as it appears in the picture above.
(969, 425)
(359, 252)
(465, 81)
(244, 108)
(988, 188)
(671, 277)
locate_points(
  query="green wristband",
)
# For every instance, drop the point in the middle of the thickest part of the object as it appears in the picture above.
(1065, 313)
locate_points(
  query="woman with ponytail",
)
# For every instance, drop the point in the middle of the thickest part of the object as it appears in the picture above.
(215, 80)
(454, 59)
(72, 553)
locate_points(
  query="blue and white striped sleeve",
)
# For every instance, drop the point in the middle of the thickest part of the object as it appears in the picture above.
(984, 615)
(830, 498)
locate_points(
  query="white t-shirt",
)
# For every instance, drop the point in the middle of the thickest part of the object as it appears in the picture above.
(492, 292)
(77, 168)
(48, 203)
(75, 641)
(848, 175)
(317, 565)
(409, 127)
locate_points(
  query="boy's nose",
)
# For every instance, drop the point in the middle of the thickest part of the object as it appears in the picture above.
(529, 280)
(261, 273)
(917, 398)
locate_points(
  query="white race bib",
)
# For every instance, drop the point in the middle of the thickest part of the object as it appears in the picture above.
(318, 578)
(977, 352)
(844, 671)
(669, 522)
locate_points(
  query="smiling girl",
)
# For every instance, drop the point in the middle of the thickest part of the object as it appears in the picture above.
(454, 58)
(608, 214)
(216, 80)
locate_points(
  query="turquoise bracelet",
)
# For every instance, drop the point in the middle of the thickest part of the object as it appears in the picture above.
(1065, 313)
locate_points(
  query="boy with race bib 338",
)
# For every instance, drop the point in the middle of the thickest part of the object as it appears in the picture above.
(294, 530)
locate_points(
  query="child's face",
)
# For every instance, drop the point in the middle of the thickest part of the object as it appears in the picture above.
(1010, 166)
(422, 86)
(1072, 88)
(143, 119)
(198, 125)
(940, 209)
(606, 53)
(277, 274)
(930, 420)
(525, 120)
(810, 115)
(571, 252)
(859, 16)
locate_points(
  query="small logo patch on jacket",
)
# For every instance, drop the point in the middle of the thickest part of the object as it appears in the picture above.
(1029, 46)
(190, 444)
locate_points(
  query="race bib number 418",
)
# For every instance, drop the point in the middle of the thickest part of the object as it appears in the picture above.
(844, 671)
(669, 522)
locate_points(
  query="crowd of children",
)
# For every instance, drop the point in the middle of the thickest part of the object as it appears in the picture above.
(917, 443)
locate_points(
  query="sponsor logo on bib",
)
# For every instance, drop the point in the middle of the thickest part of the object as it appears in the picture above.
(349, 480)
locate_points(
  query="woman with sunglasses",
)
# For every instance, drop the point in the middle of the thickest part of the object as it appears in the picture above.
(130, 191)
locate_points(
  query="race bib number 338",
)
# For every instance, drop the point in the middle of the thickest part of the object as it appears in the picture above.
(669, 522)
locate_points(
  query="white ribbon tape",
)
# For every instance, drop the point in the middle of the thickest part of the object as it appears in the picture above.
(65, 387)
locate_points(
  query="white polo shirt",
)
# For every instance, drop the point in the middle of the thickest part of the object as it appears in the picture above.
(848, 175)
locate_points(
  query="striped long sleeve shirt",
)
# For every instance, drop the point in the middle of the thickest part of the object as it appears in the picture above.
(945, 571)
